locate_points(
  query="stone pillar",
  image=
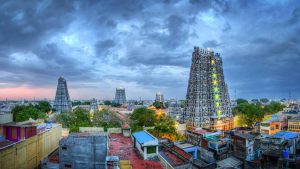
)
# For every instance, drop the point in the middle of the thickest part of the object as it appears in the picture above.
(145, 153)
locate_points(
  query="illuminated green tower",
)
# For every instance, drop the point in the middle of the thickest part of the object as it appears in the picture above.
(207, 99)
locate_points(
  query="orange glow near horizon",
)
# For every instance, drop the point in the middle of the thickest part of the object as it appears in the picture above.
(26, 93)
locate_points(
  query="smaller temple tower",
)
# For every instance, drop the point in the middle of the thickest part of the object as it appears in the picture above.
(62, 102)
(120, 96)
(159, 97)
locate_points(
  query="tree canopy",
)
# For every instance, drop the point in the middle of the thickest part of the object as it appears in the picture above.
(73, 120)
(23, 113)
(107, 102)
(248, 113)
(158, 105)
(164, 126)
(106, 119)
(239, 101)
(81, 118)
(142, 117)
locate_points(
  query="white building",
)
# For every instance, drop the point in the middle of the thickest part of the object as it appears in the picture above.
(146, 144)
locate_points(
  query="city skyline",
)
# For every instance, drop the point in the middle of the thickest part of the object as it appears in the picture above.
(146, 47)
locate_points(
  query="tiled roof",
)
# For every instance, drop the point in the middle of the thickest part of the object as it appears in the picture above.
(245, 135)
(200, 131)
(181, 152)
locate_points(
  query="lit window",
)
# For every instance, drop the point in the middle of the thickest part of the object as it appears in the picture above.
(216, 89)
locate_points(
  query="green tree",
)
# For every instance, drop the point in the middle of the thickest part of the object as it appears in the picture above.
(113, 104)
(239, 101)
(158, 105)
(273, 107)
(165, 124)
(248, 113)
(142, 117)
(106, 119)
(182, 103)
(264, 100)
(23, 113)
(73, 120)
(76, 103)
(44, 106)
(107, 102)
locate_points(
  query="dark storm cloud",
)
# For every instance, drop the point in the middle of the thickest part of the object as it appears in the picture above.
(211, 44)
(128, 40)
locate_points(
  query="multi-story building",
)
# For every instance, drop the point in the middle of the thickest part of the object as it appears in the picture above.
(159, 97)
(294, 124)
(279, 148)
(243, 145)
(175, 110)
(272, 125)
(83, 150)
(62, 102)
(120, 96)
(207, 99)
(27, 144)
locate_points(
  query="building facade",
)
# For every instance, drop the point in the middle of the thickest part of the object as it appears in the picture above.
(83, 150)
(294, 124)
(28, 152)
(120, 96)
(207, 99)
(175, 110)
(62, 102)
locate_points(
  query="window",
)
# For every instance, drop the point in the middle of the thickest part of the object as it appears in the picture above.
(64, 148)
(151, 149)
(68, 166)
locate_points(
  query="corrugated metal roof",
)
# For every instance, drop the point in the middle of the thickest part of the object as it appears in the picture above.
(143, 137)
(284, 134)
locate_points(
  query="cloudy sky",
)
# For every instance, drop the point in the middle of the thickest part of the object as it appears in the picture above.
(146, 46)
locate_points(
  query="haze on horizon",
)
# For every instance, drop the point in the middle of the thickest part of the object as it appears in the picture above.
(146, 47)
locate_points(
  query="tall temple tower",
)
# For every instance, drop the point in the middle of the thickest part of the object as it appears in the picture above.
(207, 99)
(120, 96)
(159, 97)
(62, 102)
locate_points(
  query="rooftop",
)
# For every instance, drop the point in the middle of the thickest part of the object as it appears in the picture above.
(5, 144)
(285, 135)
(173, 157)
(295, 119)
(274, 118)
(185, 145)
(200, 131)
(122, 146)
(229, 162)
(245, 135)
(143, 137)
(212, 138)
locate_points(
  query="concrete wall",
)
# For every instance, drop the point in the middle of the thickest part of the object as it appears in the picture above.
(114, 130)
(6, 118)
(28, 153)
(165, 164)
(91, 129)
